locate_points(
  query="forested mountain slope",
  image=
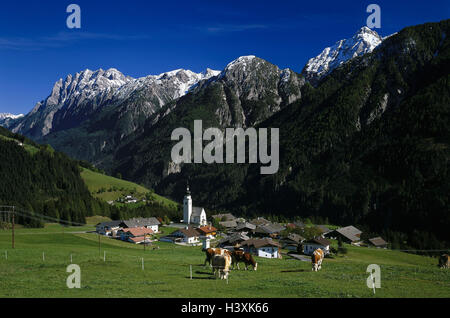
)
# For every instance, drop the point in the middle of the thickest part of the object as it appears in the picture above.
(369, 145)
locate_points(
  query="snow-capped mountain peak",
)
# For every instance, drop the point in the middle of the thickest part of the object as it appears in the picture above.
(6, 119)
(241, 61)
(9, 115)
(80, 95)
(362, 42)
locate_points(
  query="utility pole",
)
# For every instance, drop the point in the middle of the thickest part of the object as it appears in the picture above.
(99, 244)
(13, 227)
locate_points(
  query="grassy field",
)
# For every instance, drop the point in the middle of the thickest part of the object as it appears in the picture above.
(31, 149)
(166, 272)
(114, 188)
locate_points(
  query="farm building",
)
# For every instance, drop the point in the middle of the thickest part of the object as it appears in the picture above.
(269, 230)
(106, 228)
(262, 247)
(378, 242)
(135, 235)
(348, 234)
(207, 230)
(318, 242)
(150, 223)
(245, 227)
(291, 242)
(187, 235)
(259, 221)
(233, 239)
(130, 199)
(229, 224)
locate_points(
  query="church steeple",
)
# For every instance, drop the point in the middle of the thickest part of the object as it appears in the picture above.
(187, 206)
(188, 192)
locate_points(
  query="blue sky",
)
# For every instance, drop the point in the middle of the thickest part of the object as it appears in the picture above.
(150, 37)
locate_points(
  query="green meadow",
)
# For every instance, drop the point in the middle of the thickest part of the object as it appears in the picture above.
(24, 272)
(109, 188)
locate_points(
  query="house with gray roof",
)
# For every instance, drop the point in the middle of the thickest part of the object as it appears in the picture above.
(106, 228)
(150, 223)
(292, 241)
(233, 239)
(259, 221)
(270, 229)
(317, 242)
(348, 234)
(228, 224)
(262, 247)
(378, 242)
(187, 235)
(245, 227)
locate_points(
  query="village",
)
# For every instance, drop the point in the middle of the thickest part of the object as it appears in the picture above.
(258, 236)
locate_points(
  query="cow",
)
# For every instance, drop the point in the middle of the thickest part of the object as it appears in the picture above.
(241, 256)
(221, 265)
(210, 252)
(316, 259)
(444, 261)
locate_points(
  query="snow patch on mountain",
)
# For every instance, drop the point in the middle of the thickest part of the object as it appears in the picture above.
(241, 61)
(4, 116)
(79, 96)
(364, 41)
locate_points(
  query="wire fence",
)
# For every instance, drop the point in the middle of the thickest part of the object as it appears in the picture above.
(41, 217)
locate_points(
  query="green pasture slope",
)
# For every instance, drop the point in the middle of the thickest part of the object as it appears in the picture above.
(166, 271)
(115, 188)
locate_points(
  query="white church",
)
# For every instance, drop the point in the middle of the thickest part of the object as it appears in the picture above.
(192, 215)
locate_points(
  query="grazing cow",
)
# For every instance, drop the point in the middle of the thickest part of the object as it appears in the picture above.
(316, 259)
(221, 265)
(444, 261)
(241, 256)
(210, 252)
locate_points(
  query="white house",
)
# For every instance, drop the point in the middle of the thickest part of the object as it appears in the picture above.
(106, 228)
(262, 247)
(318, 242)
(187, 235)
(192, 215)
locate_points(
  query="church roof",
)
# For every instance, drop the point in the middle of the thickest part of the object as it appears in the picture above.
(196, 211)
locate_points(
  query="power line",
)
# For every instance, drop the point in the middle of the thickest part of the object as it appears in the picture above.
(49, 218)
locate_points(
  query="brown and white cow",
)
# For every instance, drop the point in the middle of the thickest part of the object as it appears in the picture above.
(221, 265)
(241, 256)
(316, 259)
(444, 261)
(210, 252)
